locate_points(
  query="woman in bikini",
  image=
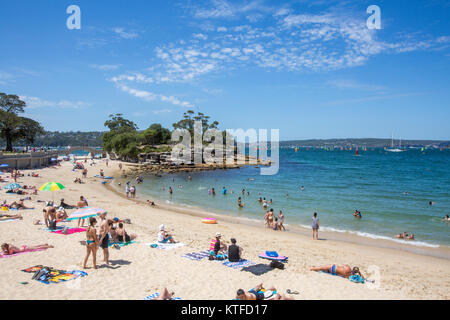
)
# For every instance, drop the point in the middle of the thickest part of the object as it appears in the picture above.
(91, 243)
(122, 234)
(335, 270)
(8, 249)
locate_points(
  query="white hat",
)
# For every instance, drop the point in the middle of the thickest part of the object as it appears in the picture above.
(162, 227)
(218, 234)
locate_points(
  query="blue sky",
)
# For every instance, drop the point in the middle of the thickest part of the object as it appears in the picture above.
(309, 68)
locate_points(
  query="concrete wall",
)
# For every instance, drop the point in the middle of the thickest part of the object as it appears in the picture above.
(32, 160)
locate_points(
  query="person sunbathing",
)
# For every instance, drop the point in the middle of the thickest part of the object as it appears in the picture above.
(65, 205)
(257, 294)
(8, 249)
(19, 205)
(18, 191)
(122, 235)
(342, 271)
(11, 216)
(165, 295)
(61, 214)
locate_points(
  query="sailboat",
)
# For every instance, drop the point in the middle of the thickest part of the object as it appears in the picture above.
(356, 153)
(392, 149)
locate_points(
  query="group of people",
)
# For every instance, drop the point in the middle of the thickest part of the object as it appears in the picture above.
(130, 190)
(222, 251)
(111, 231)
(405, 236)
(275, 223)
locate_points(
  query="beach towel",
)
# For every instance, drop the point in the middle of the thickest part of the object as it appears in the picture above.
(156, 295)
(238, 265)
(196, 255)
(120, 244)
(54, 275)
(49, 230)
(19, 253)
(70, 231)
(166, 246)
(258, 269)
(99, 176)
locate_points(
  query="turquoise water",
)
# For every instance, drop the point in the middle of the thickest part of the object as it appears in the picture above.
(335, 184)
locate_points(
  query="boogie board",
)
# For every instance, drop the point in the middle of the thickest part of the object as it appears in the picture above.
(279, 258)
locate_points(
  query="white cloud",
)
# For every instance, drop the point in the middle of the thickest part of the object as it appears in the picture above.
(36, 102)
(124, 34)
(351, 84)
(162, 111)
(105, 67)
(150, 96)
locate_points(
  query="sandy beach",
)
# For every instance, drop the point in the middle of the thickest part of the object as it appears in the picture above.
(137, 270)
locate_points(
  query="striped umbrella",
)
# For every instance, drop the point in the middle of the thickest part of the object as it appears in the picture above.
(51, 186)
(85, 213)
(12, 186)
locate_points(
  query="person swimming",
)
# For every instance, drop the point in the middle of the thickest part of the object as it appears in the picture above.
(357, 214)
(240, 204)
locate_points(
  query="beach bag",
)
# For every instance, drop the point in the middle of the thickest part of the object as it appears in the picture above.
(272, 254)
(277, 264)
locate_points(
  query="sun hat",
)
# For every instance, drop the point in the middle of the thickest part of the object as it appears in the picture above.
(218, 234)
(162, 227)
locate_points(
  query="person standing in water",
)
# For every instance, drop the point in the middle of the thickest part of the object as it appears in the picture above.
(281, 223)
(315, 226)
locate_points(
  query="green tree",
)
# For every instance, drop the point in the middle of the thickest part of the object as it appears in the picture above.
(14, 127)
(156, 134)
(117, 125)
(189, 119)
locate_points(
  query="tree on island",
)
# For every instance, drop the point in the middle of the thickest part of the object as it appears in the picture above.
(14, 127)
(189, 119)
(126, 141)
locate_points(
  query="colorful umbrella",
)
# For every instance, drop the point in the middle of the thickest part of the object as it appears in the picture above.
(12, 186)
(85, 213)
(51, 186)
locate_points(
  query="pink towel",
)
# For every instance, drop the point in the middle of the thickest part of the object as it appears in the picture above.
(19, 253)
(70, 231)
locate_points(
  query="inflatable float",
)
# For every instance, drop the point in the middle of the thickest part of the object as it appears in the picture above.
(209, 220)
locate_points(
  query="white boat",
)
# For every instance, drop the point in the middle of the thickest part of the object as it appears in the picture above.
(392, 149)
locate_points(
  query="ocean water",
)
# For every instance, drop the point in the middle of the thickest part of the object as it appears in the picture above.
(335, 184)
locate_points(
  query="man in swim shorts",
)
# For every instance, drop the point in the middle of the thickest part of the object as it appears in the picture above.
(104, 237)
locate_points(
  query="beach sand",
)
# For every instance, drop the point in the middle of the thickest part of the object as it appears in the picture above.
(138, 270)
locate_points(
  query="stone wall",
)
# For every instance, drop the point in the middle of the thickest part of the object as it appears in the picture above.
(31, 160)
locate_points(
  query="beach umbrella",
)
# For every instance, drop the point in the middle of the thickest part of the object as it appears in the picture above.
(85, 213)
(51, 186)
(12, 186)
